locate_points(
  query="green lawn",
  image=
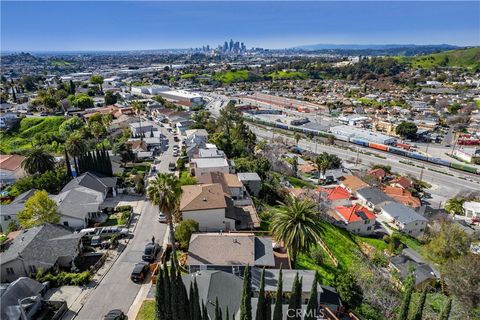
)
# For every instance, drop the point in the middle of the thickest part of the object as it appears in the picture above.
(147, 310)
(287, 75)
(29, 127)
(299, 183)
(231, 76)
(467, 58)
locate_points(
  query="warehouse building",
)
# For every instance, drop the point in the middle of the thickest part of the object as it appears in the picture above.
(358, 133)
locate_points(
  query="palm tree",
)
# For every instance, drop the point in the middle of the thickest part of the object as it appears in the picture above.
(138, 107)
(454, 206)
(76, 146)
(165, 192)
(323, 163)
(296, 223)
(38, 161)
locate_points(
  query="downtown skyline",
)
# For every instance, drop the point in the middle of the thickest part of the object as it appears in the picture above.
(117, 26)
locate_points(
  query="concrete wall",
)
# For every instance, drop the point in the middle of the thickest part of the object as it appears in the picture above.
(74, 223)
(210, 220)
(360, 227)
(20, 269)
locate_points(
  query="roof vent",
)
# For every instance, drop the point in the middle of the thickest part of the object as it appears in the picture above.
(204, 199)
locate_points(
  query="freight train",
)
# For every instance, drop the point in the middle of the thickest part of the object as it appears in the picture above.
(378, 146)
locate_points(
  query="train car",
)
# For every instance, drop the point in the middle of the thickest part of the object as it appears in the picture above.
(417, 156)
(281, 126)
(378, 146)
(341, 138)
(463, 167)
(398, 151)
(359, 142)
(405, 146)
(439, 161)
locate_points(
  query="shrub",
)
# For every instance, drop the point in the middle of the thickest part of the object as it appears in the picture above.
(184, 231)
(123, 208)
(64, 278)
(317, 255)
(379, 259)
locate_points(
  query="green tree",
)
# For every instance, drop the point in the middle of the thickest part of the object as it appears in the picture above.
(278, 308)
(407, 130)
(407, 296)
(450, 242)
(97, 79)
(297, 136)
(454, 206)
(445, 314)
(312, 306)
(110, 98)
(246, 303)
(184, 231)
(81, 100)
(76, 146)
(421, 303)
(295, 302)
(124, 150)
(160, 296)
(296, 223)
(349, 290)
(165, 192)
(261, 303)
(38, 160)
(326, 161)
(70, 125)
(39, 209)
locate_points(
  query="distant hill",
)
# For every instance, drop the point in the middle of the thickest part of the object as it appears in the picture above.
(376, 49)
(466, 58)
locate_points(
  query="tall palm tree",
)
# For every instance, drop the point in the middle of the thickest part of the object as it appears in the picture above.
(138, 107)
(76, 146)
(296, 223)
(165, 192)
(38, 161)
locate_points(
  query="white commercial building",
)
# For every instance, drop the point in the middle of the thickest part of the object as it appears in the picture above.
(472, 209)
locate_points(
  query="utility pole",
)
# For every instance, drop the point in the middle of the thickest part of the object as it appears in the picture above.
(356, 160)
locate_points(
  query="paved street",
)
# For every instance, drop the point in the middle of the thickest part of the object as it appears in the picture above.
(116, 290)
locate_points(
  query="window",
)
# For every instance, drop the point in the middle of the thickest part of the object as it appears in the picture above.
(10, 271)
(6, 218)
(65, 223)
(369, 228)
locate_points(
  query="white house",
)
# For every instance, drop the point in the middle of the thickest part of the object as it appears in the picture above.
(203, 166)
(356, 219)
(472, 209)
(404, 219)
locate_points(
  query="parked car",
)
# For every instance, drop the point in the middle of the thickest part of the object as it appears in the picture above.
(175, 153)
(115, 314)
(172, 166)
(95, 241)
(89, 232)
(150, 252)
(112, 230)
(176, 139)
(162, 218)
(139, 272)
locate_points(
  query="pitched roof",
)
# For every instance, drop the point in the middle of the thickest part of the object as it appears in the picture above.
(78, 202)
(373, 195)
(210, 162)
(227, 180)
(288, 276)
(422, 271)
(337, 193)
(202, 197)
(354, 213)
(16, 205)
(45, 244)
(11, 162)
(91, 181)
(404, 182)
(353, 183)
(21, 288)
(402, 213)
(230, 249)
(379, 173)
(403, 196)
(248, 176)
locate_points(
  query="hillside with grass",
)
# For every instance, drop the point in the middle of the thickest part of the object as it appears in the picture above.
(464, 58)
(23, 137)
(232, 76)
(288, 75)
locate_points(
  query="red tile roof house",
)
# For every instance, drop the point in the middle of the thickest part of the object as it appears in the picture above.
(378, 173)
(11, 168)
(403, 196)
(402, 182)
(335, 197)
(356, 219)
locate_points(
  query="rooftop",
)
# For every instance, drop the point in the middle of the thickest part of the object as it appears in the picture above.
(354, 213)
(202, 197)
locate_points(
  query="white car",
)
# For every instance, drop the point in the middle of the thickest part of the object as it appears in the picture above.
(162, 218)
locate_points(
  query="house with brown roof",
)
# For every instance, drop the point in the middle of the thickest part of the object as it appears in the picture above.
(378, 173)
(403, 196)
(337, 196)
(402, 182)
(11, 168)
(353, 183)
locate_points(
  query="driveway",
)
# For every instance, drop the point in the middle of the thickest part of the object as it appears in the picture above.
(116, 290)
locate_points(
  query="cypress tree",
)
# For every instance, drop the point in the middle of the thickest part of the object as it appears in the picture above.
(227, 316)
(72, 88)
(67, 163)
(295, 299)
(246, 304)
(191, 300)
(183, 306)
(421, 303)
(218, 312)
(204, 312)
(99, 162)
(75, 162)
(277, 311)
(174, 292)
(407, 296)
(260, 315)
(197, 312)
(81, 164)
(268, 308)
(445, 314)
(167, 292)
(159, 296)
(312, 306)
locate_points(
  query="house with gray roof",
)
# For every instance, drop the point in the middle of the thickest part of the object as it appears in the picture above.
(104, 185)
(8, 212)
(46, 247)
(373, 198)
(24, 290)
(405, 262)
(229, 252)
(252, 181)
(404, 219)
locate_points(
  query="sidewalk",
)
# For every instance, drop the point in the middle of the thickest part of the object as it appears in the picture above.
(137, 303)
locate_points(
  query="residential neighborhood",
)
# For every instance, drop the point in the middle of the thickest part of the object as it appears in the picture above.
(231, 181)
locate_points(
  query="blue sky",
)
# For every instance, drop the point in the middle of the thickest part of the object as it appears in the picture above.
(109, 25)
